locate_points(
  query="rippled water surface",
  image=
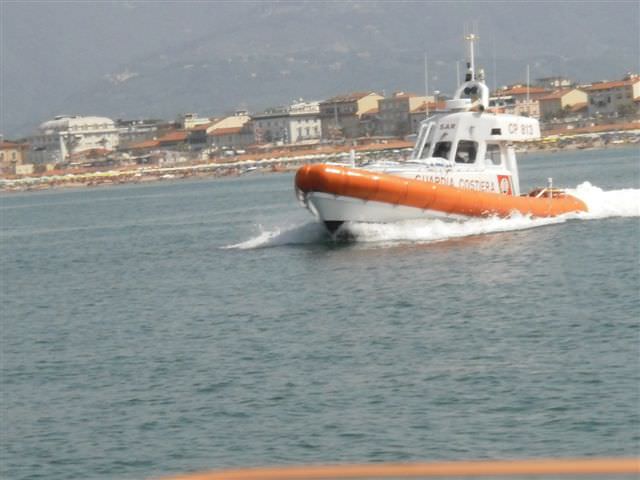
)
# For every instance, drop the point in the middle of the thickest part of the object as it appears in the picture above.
(162, 328)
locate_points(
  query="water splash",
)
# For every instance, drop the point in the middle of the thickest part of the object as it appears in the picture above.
(308, 233)
(429, 231)
(601, 204)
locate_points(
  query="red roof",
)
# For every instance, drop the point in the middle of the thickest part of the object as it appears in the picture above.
(225, 131)
(609, 85)
(175, 136)
(556, 94)
(144, 145)
(349, 97)
(91, 152)
(520, 90)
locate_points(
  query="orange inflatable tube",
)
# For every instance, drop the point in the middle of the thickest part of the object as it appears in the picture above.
(380, 187)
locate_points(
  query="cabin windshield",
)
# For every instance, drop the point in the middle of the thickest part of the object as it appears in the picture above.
(493, 154)
(423, 143)
(442, 150)
(466, 151)
(425, 150)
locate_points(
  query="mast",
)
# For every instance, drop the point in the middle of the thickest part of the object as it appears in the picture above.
(426, 86)
(495, 74)
(473, 88)
(528, 95)
(472, 37)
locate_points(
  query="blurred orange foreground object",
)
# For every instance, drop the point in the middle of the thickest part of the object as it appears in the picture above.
(593, 466)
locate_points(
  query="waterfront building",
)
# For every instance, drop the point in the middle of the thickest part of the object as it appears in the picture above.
(554, 83)
(519, 100)
(14, 158)
(340, 115)
(171, 139)
(420, 112)
(135, 131)
(59, 139)
(370, 123)
(299, 122)
(395, 113)
(271, 126)
(232, 132)
(502, 104)
(304, 122)
(174, 140)
(187, 121)
(618, 98)
(231, 138)
(562, 102)
(197, 136)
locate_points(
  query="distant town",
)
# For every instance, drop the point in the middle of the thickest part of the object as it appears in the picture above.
(89, 150)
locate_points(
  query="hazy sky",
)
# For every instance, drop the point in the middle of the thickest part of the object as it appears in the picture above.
(56, 55)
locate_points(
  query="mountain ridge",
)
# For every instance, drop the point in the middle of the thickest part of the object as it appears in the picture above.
(254, 56)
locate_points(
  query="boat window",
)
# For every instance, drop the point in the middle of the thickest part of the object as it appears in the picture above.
(466, 152)
(493, 154)
(425, 150)
(442, 150)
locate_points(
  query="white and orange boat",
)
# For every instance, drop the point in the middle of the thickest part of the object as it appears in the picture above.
(463, 165)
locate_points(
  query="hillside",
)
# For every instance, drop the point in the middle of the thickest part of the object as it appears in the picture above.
(131, 60)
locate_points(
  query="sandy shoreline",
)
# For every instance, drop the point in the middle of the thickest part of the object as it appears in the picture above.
(241, 165)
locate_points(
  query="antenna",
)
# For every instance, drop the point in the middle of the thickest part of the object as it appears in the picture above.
(426, 86)
(495, 74)
(477, 35)
(528, 96)
(472, 37)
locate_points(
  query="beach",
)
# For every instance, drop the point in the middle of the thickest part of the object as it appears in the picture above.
(274, 161)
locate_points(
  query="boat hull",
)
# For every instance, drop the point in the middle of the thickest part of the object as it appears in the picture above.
(336, 193)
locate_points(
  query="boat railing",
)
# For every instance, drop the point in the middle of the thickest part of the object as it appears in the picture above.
(431, 162)
(547, 192)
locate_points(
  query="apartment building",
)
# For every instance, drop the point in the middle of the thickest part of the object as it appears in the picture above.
(395, 112)
(231, 132)
(519, 100)
(13, 158)
(59, 139)
(340, 115)
(620, 97)
(560, 102)
(304, 123)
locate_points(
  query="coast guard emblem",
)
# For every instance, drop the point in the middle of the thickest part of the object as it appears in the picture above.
(505, 184)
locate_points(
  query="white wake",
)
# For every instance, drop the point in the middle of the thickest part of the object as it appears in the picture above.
(614, 203)
(307, 233)
(600, 203)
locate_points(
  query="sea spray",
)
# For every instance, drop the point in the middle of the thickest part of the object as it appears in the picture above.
(604, 204)
(307, 233)
(601, 204)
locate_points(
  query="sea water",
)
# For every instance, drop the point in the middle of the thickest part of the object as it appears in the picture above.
(198, 324)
